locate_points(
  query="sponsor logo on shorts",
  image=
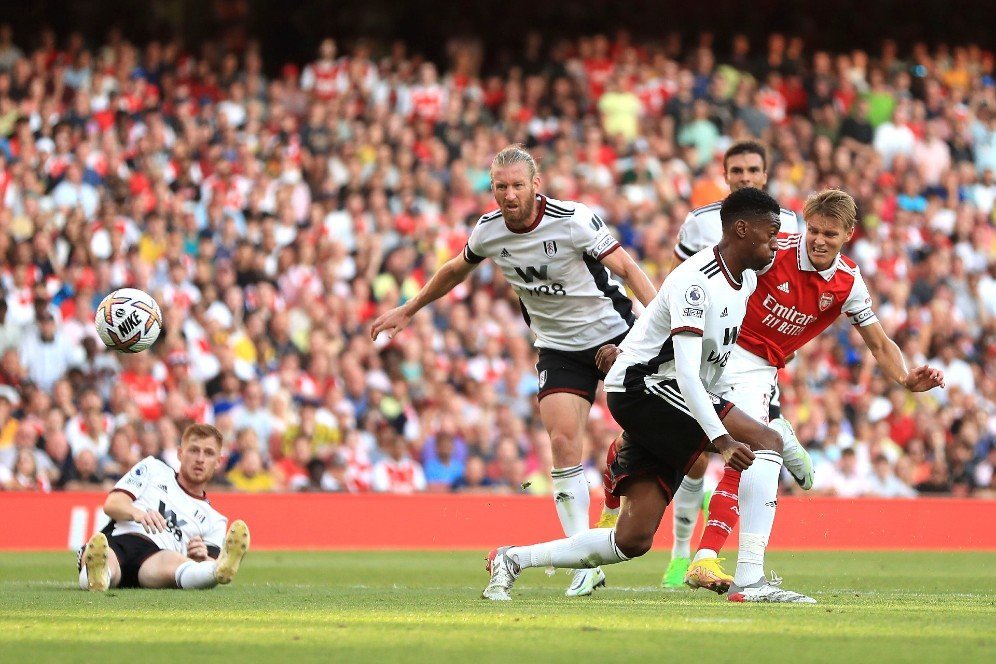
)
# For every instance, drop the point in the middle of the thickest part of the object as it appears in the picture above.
(542, 378)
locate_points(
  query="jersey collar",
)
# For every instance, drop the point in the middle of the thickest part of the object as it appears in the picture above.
(806, 265)
(203, 495)
(735, 283)
(540, 211)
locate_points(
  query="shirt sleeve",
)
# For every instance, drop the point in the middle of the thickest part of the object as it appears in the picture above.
(473, 251)
(858, 306)
(690, 240)
(135, 481)
(591, 235)
(216, 536)
(687, 360)
(688, 300)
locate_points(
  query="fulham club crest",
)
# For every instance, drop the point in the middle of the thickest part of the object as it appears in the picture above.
(825, 301)
(550, 247)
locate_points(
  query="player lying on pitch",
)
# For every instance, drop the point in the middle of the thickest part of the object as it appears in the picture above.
(659, 392)
(163, 532)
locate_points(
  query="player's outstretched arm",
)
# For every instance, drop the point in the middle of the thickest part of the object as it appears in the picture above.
(119, 507)
(890, 358)
(687, 359)
(442, 282)
(621, 264)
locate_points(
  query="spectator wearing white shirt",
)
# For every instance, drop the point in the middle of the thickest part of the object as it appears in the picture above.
(883, 483)
(47, 356)
(957, 372)
(72, 192)
(848, 481)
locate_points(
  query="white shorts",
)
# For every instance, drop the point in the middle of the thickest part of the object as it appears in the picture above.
(748, 382)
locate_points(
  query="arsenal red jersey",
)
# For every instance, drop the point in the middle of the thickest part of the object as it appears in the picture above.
(794, 302)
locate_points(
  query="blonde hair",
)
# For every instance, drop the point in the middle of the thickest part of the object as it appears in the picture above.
(202, 431)
(832, 203)
(511, 155)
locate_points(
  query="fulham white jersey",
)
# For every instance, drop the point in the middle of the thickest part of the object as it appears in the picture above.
(153, 486)
(568, 298)
(704, 228)
(700, 296)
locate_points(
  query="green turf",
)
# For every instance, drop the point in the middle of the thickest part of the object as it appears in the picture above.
(399, 607)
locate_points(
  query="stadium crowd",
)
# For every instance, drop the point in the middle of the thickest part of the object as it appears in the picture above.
(274, 218)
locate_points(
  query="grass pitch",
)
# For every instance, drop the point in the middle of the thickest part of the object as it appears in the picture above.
(401, 607)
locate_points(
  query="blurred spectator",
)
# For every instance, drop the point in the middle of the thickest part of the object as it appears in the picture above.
(883, 482)
(250, 475)
(273, 219)
(397, 472)
(24, 475)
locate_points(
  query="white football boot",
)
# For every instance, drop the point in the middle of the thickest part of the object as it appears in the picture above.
(585, 581)
(795, 456)
(767, 590)
(504, 571)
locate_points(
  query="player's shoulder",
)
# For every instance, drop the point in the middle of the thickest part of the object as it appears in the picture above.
(791, 221)
(489, 216)
(705, 212)
(699, 267)
(150, 463)
(558, 209)
(848, 266)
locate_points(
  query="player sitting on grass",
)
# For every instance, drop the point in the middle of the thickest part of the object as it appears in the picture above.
(163, 531)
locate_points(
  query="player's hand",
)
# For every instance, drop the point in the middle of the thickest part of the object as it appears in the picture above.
(736, 455)
(197, 549)
(152, 521)
(924, 378)
(391, 322)
(606, 356)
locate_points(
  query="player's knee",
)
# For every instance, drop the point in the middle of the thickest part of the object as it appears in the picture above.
(564, 445)
(634, 545)
(770, 440)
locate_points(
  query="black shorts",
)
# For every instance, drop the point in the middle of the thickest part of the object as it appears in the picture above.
(571, 371)
(131, 551)
(660, 437)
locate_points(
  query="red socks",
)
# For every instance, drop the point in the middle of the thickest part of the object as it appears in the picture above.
(724, 511)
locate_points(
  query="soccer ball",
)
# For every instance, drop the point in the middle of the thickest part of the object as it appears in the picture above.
(128, 320)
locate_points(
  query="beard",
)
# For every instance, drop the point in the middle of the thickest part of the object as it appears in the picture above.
(523, 214)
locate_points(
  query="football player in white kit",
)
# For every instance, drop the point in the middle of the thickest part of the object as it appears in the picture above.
(164, 532)
(745, 164)
(659, 392)
(560, 258)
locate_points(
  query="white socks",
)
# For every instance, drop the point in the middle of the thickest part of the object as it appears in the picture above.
(572, 497)
(193, 575)
(758, 498)
(588, 549)
(687, 502)
(85, 580)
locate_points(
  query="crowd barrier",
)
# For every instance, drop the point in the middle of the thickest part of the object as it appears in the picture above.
(59, 521)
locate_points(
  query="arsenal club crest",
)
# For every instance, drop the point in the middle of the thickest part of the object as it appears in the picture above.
(550, 247)
(825, 301)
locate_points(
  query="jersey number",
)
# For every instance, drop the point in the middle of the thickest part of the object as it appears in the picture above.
(171, 522)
